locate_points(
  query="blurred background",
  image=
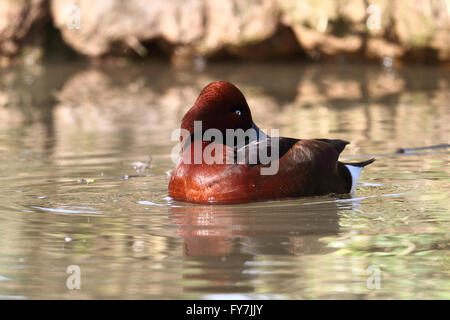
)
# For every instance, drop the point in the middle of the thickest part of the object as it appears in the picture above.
(193, 30)
(90, 92)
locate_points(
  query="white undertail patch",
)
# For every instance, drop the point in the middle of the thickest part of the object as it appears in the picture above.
(355, 172)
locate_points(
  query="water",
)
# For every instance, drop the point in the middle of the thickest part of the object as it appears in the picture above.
(77, 186)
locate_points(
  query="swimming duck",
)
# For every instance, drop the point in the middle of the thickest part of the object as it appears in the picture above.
(296, 167)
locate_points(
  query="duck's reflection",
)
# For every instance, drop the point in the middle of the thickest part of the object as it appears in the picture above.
(232, 245)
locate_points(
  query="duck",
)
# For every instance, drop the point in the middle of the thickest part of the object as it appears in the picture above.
(261, 167)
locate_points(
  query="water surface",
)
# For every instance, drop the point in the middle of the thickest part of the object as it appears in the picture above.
(77, 186)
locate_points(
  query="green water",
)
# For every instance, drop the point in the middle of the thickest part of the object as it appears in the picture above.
(75, 142)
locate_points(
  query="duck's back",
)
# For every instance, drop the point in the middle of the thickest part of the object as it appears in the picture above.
(304, 168)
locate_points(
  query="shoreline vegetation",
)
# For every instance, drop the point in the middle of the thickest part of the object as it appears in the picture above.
(193, 31)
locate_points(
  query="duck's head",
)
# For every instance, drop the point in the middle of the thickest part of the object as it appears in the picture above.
(220, 106)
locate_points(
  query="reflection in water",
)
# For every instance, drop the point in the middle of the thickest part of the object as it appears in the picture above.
(218, 238)
(70, 192)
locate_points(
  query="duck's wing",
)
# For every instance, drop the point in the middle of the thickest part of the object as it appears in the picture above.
(263, 151)
(251, 151)
(339, 145)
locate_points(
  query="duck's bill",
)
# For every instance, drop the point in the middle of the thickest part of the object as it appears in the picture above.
(260, 135)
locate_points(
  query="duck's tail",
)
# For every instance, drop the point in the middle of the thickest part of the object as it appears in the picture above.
(359, 164)
(355, 169)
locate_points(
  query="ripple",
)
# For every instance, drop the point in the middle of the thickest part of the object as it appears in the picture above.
(150, 203)
(61, 210)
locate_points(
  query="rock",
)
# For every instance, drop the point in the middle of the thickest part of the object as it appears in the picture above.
(314, 41)
(424, 24)
(106, 26)
(19, 20)
(378, 48)
(237, 23)
(247, 29)
(254, 29)
(204, 26)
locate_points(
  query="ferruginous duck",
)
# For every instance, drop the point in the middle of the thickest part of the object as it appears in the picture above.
(226, 158)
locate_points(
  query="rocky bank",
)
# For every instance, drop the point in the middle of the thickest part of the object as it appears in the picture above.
(416, 30)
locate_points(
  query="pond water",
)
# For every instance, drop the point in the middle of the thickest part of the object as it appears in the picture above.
(77, 186)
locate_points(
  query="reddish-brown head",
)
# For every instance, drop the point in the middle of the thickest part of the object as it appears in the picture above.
(220, 106)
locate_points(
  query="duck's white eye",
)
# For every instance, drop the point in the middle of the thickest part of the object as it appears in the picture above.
(238, 112)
